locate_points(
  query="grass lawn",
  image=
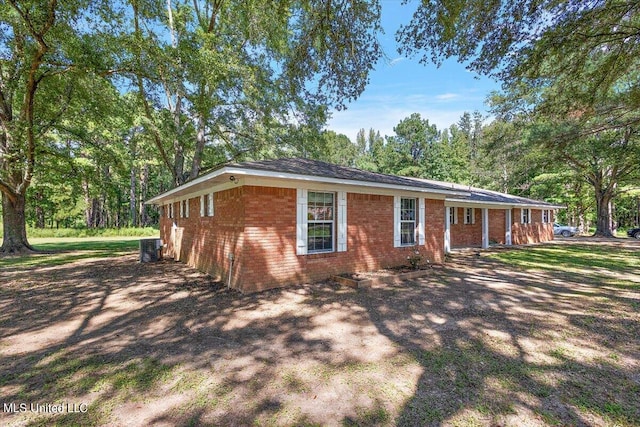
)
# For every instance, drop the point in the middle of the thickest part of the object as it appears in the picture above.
(598, 260)
(542, 336)
(63, 250)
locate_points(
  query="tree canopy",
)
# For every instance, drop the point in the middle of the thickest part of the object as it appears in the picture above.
(210, 81)
(570, 72)
(515, 39)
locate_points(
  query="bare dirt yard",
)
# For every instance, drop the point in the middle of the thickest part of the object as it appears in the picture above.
(478, 341)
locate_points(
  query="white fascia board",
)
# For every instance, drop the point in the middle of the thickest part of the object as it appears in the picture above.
(461, 203)
(179, 192)
(173, 193)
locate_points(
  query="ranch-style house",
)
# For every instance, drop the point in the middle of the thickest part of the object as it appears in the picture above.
(265, 224)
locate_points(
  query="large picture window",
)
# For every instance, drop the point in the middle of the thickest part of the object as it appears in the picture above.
(320, 222)
(408, 221)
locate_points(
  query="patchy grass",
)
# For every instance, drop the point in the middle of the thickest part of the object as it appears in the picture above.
(601, 261)
(59, 251)
(482, 341)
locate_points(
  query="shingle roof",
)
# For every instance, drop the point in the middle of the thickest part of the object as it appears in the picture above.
(296, 168)
(486, 196)
(481, 195)
(330, 170)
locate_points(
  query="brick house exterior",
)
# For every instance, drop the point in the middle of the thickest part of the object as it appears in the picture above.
(260, 225)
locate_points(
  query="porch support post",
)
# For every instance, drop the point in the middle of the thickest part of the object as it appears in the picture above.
(485, 228)
(447, 230)
(507, 227)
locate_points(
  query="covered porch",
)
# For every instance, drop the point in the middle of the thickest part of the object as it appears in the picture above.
(469, 225)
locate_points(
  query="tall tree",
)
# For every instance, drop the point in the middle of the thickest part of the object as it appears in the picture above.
(606, 159)
(574, 64)
(232, 74)
(46, 53)
(513, 40)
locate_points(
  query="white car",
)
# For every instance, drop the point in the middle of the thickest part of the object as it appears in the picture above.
(564, 230)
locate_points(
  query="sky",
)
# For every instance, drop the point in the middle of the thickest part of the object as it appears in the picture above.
(400, 86)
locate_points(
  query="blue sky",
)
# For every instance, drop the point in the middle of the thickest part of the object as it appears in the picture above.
(401, 86)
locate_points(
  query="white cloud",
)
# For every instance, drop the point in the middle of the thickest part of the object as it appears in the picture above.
(396, 60)
(447, 96)
(393, 102)
(384, 118)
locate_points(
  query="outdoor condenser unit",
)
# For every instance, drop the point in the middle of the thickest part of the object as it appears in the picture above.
(150, 250)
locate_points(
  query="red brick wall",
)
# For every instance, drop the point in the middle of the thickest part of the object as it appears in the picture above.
(206, 242)
(434, 230)
(269, 258)
(467, 235)
(258, 226)
(534, 232)
(497, 226)
(470, 235)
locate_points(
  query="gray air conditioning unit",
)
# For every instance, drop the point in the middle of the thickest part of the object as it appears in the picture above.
(150, 250)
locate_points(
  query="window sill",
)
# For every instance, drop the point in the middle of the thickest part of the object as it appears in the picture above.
(320, 252)
(319, 255)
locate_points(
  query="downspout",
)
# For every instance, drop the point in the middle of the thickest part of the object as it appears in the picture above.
(230, 270)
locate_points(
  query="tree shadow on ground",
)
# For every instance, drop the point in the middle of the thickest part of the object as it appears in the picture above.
(514, 349)
(145, 344)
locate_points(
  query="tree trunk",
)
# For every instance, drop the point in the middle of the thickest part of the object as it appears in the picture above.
(39, 210)
(200, 142)
(88, 210)
(15, 227)
(133, 208)
(144, 217)
(603, 221)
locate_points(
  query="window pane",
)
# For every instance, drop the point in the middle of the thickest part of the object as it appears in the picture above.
(407, 233)
(407, 209)
(320, 237)
(320, 214)
(320, 206)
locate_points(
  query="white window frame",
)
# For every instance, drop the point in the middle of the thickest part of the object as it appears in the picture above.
(453, 215)
(545, 216)
(184, 208)
(525, 216)
(302, 222)
(206, 205)
(469, 215)
(419, 222)
(413, 222)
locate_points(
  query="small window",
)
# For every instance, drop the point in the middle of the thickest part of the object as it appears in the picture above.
(184, 208)
(206, 205)
(526, 216)
(210, 210)
(170, 210)
(469, 216)
(453, 215)
(320, 222)
(407, 222)
(545, 216)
